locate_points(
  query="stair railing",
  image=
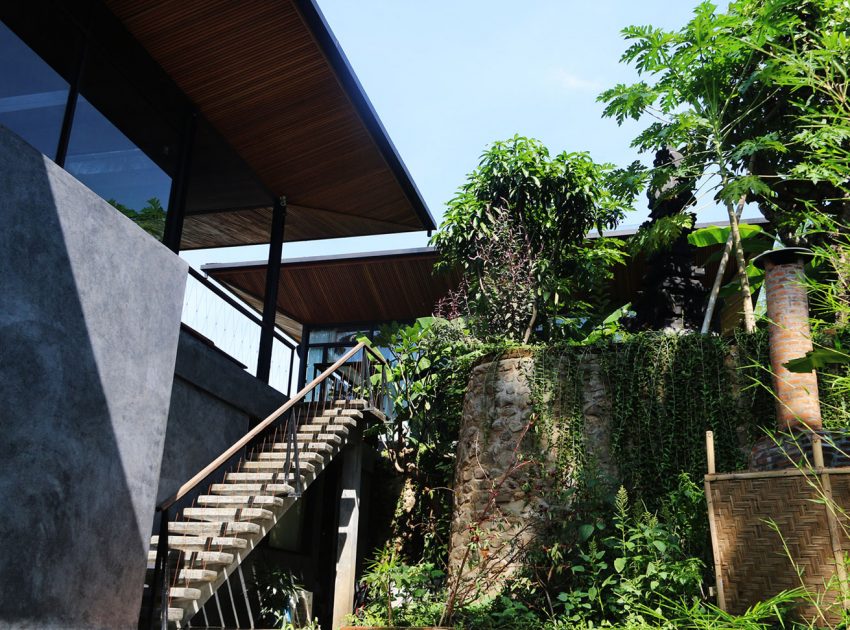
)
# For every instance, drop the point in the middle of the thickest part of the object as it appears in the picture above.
(341, 386)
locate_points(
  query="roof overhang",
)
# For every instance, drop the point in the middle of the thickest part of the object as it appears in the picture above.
(273, 82)
(361, 288)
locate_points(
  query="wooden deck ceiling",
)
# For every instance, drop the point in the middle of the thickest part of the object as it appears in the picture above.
(269, 76)
(373, 287)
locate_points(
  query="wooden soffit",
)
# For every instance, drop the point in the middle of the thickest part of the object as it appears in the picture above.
(373, 287)
(270, 78)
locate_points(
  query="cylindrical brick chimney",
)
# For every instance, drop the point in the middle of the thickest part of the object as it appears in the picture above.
(797, 404)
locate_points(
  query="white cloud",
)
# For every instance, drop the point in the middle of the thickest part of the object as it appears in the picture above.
(567, 80)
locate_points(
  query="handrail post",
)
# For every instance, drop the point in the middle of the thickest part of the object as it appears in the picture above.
(159, 585)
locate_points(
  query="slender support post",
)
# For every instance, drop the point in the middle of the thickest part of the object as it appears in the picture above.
(349, 515)
(264, 356)
(159, 585)
(709, 452)
(173, 233)
(303, 351)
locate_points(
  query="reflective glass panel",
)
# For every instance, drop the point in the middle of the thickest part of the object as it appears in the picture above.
(32, 95)
(106, 161)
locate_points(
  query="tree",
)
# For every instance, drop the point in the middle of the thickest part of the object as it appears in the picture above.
(519, 192)
(714, 93)
(151, 218)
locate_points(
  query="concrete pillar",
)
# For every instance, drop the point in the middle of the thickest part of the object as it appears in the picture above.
(349, 516)
(797, 402)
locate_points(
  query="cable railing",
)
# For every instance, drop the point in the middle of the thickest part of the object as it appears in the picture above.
(353, 377)
(234, 328)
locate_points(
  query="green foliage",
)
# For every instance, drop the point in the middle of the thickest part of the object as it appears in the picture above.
(633, 564)
(151, 218)
(278, 591)
(754, 96)
(400, 594)
(660, 234)
(666, 392)
(717, 235)
(429, 369)
(553, 202)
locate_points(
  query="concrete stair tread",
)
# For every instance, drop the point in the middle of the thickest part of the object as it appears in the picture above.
(226, 515)
(324, 421)
(263, 477)
(336, 429)
(271, 464)
(351, 413)
(328, 438)
(199, 528)
(193, 576)
(200, 557)
(175, 614)
(184, 592)
(245, 500)
(353, 403)
(280, 453)
(202, 543)
(273, 489)
(316, 447)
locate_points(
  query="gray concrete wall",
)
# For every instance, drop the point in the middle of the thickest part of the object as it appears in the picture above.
(212, 403)
(89, 318)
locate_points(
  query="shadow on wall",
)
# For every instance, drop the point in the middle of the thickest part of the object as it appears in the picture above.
(86, 364)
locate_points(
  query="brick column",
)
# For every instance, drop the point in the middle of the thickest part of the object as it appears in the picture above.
(797, 405)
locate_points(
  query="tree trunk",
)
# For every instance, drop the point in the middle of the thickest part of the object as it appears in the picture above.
(721, 271)
(746, 295)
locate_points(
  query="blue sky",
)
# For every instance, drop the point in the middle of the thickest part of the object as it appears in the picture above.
(447, 77)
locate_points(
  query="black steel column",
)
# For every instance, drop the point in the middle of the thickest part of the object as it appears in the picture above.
(303, 351)
(264, 357)
(173, 232)
(71, 105)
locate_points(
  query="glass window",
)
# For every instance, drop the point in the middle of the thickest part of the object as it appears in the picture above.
(106, 161)
(32, 95)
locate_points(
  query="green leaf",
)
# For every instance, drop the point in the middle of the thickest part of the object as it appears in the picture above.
(717, 235)
(817, 359)
(620, 564)
(585, 531)
(660, 545)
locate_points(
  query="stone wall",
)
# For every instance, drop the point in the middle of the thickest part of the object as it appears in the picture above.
(503, 467)
(491, 507)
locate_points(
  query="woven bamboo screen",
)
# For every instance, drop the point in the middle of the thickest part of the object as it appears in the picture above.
(767, 526)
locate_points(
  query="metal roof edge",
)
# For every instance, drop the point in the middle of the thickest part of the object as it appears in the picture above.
(318, 25)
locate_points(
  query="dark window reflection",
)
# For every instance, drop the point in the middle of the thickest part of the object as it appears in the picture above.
(32, 95)
(106, 161)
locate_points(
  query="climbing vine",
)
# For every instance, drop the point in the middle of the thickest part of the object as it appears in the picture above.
(662, 393)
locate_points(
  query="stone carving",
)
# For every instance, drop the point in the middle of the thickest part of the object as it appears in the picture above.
(672, 296)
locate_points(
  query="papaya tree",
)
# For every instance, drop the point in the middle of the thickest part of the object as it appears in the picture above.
(710, 89)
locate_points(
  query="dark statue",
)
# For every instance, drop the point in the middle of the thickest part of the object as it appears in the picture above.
(672, 296)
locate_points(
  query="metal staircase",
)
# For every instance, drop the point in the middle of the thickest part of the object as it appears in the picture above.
(200, 545)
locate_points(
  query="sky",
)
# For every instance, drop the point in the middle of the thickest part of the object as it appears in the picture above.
(448, 77)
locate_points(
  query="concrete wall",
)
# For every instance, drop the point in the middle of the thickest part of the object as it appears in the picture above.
(212, 403)
(89, 317)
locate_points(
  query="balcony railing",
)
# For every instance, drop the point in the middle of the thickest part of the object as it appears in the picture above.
(234, 328)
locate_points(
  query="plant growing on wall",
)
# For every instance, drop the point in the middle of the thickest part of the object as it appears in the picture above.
(548, 205)
(429, 367)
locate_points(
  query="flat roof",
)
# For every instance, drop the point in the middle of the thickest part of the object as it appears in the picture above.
(272, 80)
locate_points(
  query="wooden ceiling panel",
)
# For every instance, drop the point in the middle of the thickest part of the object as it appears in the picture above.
(371, 288)
(264, 75)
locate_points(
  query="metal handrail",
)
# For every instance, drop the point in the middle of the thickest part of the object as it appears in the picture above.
(245, 439)
(160, 581)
